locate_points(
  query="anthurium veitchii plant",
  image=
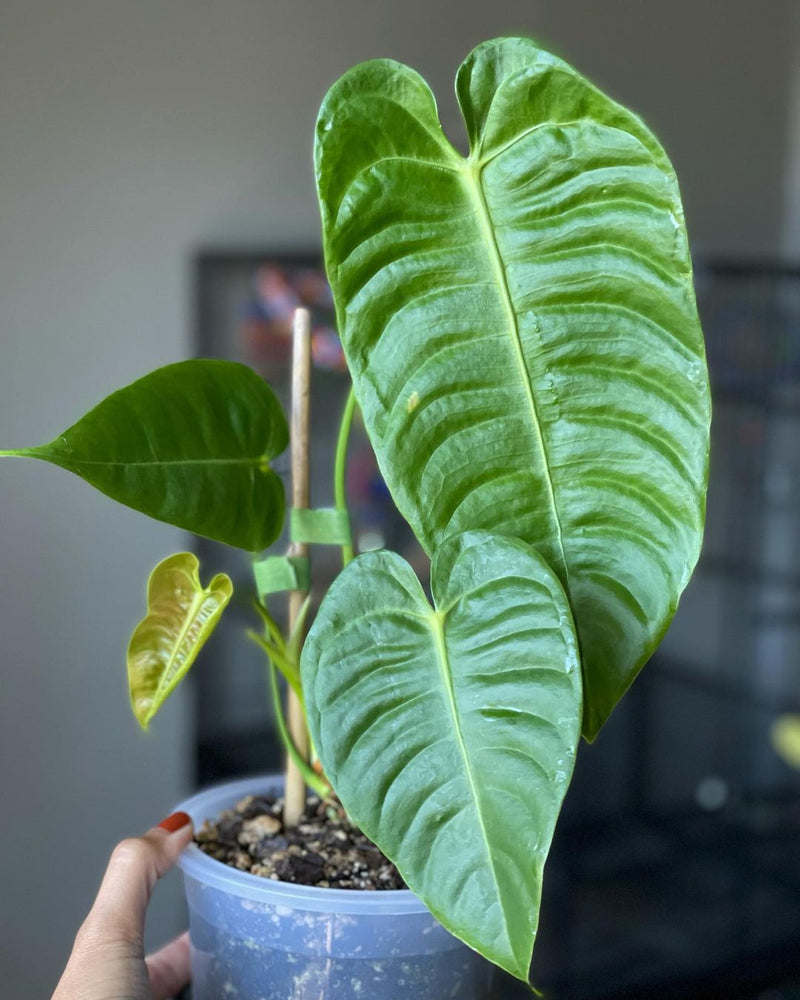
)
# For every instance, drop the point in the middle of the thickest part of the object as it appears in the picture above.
(520, 327)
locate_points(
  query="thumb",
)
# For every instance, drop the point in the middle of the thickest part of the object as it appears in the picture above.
(135, 866)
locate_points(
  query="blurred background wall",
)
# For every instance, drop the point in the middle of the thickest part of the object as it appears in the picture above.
(129, 135)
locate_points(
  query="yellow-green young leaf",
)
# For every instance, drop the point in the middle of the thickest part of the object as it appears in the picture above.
(521, 329)
(181, 615)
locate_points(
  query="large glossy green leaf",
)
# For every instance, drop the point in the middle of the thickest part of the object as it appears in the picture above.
(181, 615)
(522, 331)
(189, 444)
(450, 734)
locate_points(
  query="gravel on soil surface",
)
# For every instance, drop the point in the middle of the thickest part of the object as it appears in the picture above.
(324, 849)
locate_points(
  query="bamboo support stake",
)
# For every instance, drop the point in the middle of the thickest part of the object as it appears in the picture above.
(295, 791)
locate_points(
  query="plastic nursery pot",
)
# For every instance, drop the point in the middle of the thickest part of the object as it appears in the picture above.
(258, 939)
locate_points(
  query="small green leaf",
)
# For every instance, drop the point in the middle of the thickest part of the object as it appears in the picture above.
(279, 658)
(521, 329)
(189, 444)
(271, 627)
(285, 655)
(450, 734)
(181, 615)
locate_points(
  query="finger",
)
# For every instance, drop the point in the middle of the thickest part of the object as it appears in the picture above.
(170, 968)
(135, 866)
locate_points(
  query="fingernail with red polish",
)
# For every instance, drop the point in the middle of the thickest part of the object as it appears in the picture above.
(175, 822)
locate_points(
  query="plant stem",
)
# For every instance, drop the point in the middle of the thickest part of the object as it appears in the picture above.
(312, 779)
(295, 789)
(340, 466)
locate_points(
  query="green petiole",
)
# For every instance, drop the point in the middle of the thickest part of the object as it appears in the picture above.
(310, 776)
(340, 466)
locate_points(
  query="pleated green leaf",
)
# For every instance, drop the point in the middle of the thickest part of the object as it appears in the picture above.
(189, 444)
(522, 331)
(450, 734)
(181, 615)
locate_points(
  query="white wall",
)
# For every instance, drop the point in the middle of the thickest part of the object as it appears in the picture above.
(129, 134)
(790, 229)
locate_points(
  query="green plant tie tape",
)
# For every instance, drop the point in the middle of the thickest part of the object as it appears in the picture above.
(324, 526)
(276, 573)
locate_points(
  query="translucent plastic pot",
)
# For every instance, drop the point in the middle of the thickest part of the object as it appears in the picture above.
(257, 939)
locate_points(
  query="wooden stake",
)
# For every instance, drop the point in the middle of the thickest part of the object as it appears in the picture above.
(295, 791)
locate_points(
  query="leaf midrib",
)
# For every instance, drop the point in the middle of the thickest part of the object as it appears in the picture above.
(260, 460)
(437, 619)
(472, 174)
(191, 614)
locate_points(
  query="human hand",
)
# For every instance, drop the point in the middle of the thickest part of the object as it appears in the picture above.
(107, 960)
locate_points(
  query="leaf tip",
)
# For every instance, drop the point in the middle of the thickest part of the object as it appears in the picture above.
(142, 712)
